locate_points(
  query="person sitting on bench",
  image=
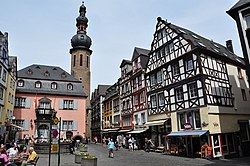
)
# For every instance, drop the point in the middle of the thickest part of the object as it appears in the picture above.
(31, 159)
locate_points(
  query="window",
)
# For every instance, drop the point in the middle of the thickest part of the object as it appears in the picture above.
(46, 74)
(176, 69)
(69, 87)
(30, 72)
(139, 80)
(142, 97)
(189, 64)
(161, 99)
(159, 76)
(169, 48)
(136, 119)
(4, 75)
(74, 60)
(87, 61)
(159, 35)
(239, 72)
(68, 104)
(1, 93)
(244, 96)
(247, 19)
(38, 84)
(179, 93)
(18, 123)
(67, 125)
(81, 60)
(143, 118)
(20, 102)
(244, 131)
(191, 117)
(197, 119)
(152, 80)
(192, 89)
(53, 85)
(136, 100)
(20, 83)
(182, 120)
(153, 101)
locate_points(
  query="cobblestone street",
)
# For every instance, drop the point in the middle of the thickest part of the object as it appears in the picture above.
(124, 157)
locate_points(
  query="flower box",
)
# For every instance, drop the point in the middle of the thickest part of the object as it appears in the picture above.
(78, 158)
(89, 161)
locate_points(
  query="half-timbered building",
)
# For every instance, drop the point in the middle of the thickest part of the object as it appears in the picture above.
(97, 122)
(200, 84)
(110, 124)
(138, 92)
(125, 96)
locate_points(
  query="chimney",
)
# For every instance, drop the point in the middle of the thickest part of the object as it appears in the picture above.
(229, 45)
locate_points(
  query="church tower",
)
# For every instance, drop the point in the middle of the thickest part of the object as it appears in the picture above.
(80, 52)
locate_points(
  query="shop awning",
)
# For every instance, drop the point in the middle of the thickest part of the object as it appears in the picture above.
(155, 123)
(188, 133)
(19, 127)
(136, 131)
(124, 130)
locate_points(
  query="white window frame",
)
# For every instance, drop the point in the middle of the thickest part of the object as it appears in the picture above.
(193, 90)
(189, 64)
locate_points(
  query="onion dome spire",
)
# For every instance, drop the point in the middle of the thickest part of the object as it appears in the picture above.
(81, 39)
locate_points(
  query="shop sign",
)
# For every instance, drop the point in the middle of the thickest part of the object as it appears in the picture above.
(187, 126)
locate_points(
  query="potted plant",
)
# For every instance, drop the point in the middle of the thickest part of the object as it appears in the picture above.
(83, 147)
(78, 157)
(89, 160)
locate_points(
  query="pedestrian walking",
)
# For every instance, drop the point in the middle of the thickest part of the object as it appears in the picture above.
(111, 147)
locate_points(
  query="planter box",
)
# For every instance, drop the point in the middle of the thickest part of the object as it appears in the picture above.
(78, 158)
(89, 162)
(83, 149)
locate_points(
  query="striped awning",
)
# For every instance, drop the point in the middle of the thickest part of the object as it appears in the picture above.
(188, 133)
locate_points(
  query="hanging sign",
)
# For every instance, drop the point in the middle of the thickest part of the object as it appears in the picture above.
(55, 120)
(55, 133)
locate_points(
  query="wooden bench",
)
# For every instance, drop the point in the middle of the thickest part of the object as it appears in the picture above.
(33, 163)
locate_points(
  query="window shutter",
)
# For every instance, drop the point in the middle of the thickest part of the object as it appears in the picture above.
(27, 103)
(60, 104)
(74, 125)
(26, 124)
(75, 105)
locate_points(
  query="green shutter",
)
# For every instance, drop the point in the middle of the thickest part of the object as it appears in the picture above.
(27, 103)
(60, 104)
(75, 104)
(26, 124)
(74, 125)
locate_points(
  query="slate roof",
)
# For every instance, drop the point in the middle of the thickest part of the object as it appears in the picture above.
(239, 5)
(139, 52)
(55, 75)
(124, 62)
(100, 91)
(207, 45)
(143, 53)
(38, 72)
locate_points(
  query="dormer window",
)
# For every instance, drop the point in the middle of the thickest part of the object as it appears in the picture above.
(30, 72)
(247, 18)
(53, 85)
(46, 74)
(63, 75)
(69, 87)
(20, 83)
(38, 84)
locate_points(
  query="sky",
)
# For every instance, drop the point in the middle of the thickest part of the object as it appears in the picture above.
(40, 31)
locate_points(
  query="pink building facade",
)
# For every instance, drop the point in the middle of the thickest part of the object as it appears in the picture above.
(37, 84)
